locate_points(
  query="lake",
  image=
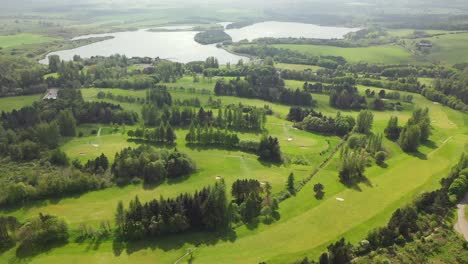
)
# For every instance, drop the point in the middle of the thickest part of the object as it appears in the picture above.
(275, 29)
(180, 45)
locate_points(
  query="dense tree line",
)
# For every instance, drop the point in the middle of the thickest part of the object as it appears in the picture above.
(234, 117)
(71, 100)
(289, 56)
(265, 83)
(150, 165)
(207, 136)
(316, 122)
(452, 92)
(49, 183)
(204, 210)
(252, 200)
(162, 134)
(347, 97)
(20, 76)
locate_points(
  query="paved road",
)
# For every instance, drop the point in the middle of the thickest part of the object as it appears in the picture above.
(462, 225)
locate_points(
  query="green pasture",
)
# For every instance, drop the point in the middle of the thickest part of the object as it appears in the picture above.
(386, 54)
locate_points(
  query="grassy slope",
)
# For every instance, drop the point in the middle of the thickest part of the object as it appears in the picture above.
(15, 102)
(451, 48)
(306, 225)
(388, 54)
(22, 39)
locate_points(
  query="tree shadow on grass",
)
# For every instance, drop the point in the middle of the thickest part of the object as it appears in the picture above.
(355, 184)
(172, 241)
(28, 205)
(430, 144)
(27, 252)
(269, 164)
(153, 144)
(200, 147)
(418, 155)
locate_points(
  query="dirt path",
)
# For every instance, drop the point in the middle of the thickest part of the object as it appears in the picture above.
(461, 226)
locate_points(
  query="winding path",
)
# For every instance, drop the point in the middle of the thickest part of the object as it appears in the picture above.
(461, 226)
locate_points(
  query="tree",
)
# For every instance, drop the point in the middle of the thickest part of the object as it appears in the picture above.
(48, 134)
(353, 165)
(392, 131)
(318, 189)
(42, 231)
(410, 138)
(54, 63)
(340, 252)
(67, 123)
(120, 216)
(59, 158)
(170, 135)
(380, 157)
(364, 122)
(253, 205)
(324, 258)
(216, 217)
(290, 184)
(269, 149)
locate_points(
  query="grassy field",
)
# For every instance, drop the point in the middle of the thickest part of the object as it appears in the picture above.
(306, 225)
(15, 102)
(297, 67)
(23, 39)
(451, 48)
(388, 54)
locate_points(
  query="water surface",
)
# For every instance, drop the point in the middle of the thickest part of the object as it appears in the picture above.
(180, 46)
(288, 29)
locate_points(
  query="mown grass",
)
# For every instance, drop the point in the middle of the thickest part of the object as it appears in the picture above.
(386, 54)
(306, 226)
(15, 102)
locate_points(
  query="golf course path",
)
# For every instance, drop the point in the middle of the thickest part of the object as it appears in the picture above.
(461, 226)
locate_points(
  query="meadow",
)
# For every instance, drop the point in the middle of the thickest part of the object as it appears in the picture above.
(388, 54)
(15, 102)
(450, 48)
(8, 41)
(306, 225)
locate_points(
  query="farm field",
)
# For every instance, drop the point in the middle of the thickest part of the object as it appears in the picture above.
(387, 54)
(300, 230)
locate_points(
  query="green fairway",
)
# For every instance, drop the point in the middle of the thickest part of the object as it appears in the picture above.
(387, 54)
(22, 39)
(300, 231)
(16, 102)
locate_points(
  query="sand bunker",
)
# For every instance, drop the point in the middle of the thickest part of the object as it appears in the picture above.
(339, 199)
